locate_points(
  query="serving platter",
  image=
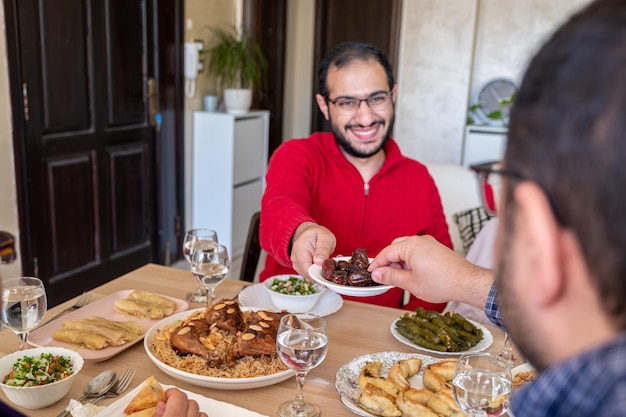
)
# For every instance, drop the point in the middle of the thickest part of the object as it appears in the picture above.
(256, 297)
(208, 405)
(484, 343)
(315, 272)
(104, 307)
(346, 379)
(208, 381)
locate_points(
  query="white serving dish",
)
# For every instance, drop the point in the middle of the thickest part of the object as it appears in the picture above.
(207, 381)
(289, 302)
(42, 395)
(315, 272)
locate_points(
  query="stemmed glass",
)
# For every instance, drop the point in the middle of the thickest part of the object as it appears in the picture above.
(507, 349)
(197, 238)
(23, 306)
(482, 384)
(210, 266)
(302, 343)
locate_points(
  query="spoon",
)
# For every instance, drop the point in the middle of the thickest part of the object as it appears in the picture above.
(98, 386)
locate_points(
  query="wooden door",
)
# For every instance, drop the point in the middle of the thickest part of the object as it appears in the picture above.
(372, 21)
(85, 84)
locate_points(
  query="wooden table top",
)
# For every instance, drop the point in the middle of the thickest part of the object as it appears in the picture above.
(356, 329)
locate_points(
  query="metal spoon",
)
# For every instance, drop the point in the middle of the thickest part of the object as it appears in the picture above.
(98, 386)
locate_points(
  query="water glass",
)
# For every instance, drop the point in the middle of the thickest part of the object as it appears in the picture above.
(23, 306)
(302, 344)
(482, 384)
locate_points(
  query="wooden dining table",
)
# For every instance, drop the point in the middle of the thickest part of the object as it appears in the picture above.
(354, 330)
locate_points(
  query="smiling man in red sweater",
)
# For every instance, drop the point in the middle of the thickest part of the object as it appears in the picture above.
(333, 192)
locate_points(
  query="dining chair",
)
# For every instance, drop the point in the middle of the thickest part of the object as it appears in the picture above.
(252, 251)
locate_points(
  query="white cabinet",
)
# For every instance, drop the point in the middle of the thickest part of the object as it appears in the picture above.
(229, 161)
(483, 144)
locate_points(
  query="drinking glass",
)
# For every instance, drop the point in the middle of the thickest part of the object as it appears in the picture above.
(23, 306)
(482, 384)
(210, 266)
(302, 343)
(507, 349)
(197, 238)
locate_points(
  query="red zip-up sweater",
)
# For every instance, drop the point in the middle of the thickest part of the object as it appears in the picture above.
(311, 180)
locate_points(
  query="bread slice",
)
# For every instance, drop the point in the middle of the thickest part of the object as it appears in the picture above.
(147, 398)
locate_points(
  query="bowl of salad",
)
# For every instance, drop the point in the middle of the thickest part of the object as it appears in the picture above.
(293, 293)
(39, 377)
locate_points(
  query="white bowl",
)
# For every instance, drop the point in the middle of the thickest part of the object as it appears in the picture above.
(289, 302)
(42, 395)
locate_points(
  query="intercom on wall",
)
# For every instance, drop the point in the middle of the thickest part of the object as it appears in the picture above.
(192, 66)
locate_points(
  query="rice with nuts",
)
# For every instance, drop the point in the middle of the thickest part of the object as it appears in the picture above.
(218, 340)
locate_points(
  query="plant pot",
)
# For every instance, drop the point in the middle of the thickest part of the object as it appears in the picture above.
(237, 100)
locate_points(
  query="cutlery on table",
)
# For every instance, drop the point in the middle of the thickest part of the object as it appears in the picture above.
(97, 387)
(81, 302)
(120, 386)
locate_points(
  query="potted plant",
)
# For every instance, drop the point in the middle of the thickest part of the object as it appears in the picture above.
(239, 65)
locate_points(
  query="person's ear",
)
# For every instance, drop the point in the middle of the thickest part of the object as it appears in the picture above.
(539, 234)
(322, 104)
(394, 96)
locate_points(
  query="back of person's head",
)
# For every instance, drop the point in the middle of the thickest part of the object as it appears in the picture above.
(567, 133)
(346, 52)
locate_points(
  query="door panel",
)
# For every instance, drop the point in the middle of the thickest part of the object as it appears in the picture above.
(75, 227)
(129, 202)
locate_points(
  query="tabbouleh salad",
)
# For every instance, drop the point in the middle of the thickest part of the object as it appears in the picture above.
(294, 286)
(31, 371)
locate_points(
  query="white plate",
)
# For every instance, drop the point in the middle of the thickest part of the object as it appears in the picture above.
(208, 405)
(208, 381)
(103, 307)
(346, 379)
(256, 298)
(525, 367)
(484, 343)
(315, 271)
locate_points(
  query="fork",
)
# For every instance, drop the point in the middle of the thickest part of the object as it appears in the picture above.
(119, 387)
(81, 302)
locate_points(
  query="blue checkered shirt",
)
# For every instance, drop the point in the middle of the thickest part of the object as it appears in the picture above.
(591, 384)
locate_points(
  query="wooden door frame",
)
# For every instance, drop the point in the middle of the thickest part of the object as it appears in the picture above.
(167, 228)
(266, 22)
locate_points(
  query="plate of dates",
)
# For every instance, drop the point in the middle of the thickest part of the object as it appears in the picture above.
(348, 275)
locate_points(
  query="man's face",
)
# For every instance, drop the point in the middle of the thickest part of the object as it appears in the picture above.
(510, 269)
(363, 133)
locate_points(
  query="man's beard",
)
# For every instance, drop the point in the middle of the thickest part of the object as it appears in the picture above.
(521, 330)
(350, 149)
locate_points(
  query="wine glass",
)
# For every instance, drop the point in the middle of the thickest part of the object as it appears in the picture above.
(482, 384)
(507, 349)
(302, 343)
(210, 266)
(197, 238)
(23, 306)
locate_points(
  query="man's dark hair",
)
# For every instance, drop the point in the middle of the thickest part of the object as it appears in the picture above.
(567, 133)
(346, 52)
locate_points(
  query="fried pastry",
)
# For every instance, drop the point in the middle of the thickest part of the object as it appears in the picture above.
(144, 403)
(376, 401)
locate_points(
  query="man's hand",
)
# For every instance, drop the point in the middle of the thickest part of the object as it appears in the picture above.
(312, 244)
(178, 405)
(431, 271)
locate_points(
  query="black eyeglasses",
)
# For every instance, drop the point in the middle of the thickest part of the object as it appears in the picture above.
(350, 105)
(490, 183)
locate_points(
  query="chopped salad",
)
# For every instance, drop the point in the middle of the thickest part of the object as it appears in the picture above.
(31, 371)
(294, 286)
